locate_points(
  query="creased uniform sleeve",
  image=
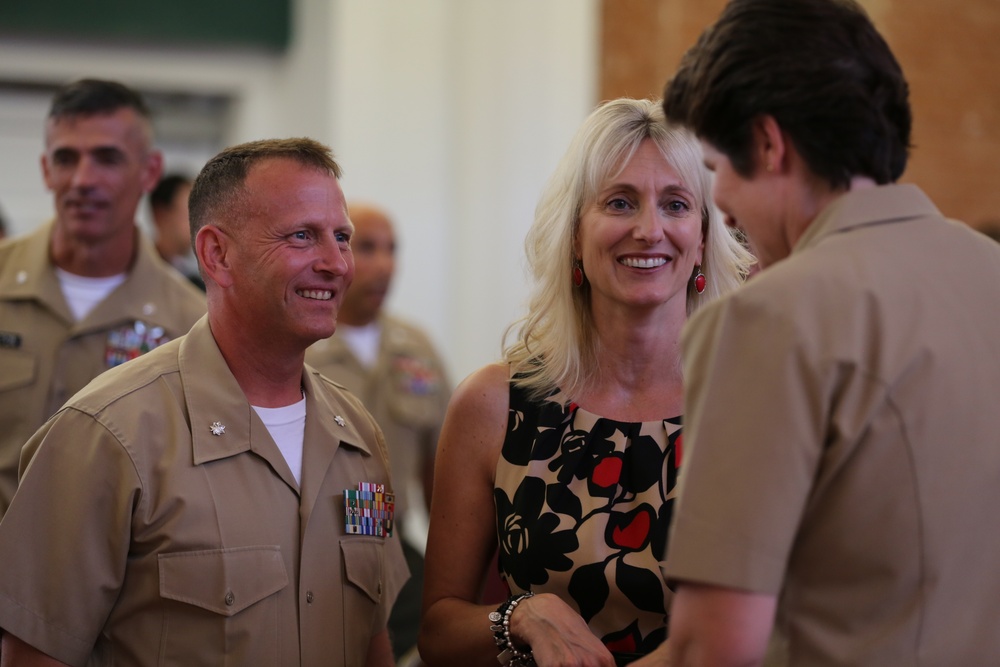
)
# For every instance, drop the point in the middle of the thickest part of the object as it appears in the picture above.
(752, 444)
(65, 540)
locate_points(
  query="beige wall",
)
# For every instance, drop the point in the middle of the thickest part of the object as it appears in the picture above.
(948, 50)
(450, 114)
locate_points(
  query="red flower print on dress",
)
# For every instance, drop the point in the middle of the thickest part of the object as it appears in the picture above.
(630, 530)
(607, 473)
(623, 645)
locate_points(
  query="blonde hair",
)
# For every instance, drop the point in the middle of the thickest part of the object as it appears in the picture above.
(554, 345)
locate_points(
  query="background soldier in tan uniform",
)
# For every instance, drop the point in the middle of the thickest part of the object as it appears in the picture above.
(85, 292)
(209, 523)
(393, 367)
(168, 202)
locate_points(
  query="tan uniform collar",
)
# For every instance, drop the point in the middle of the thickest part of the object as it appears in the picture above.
(28, 273)
(215, 399)
(878, 205)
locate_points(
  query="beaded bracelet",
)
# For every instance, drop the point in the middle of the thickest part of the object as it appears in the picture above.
(500, 625)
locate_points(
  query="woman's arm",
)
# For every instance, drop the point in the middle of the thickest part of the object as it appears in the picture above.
(462, 535)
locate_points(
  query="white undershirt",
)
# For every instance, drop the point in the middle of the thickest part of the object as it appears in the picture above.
(82, 293)
(363, 341)
(287, 426)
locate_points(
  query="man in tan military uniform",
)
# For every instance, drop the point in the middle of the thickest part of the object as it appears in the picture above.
(395, 370)
(191, 527)
(86, 292)
(842, 457)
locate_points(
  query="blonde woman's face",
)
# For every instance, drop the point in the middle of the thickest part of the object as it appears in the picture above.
(641, 238)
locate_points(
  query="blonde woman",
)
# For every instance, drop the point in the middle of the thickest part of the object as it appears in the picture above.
(566, 454)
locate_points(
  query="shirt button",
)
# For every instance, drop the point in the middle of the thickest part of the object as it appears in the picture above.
(230, 598)
(380, 588)
(309, 597)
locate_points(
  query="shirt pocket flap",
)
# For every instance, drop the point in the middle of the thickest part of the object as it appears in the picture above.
(363, 565)
(415, 411)
(18, 369)
(223, 581)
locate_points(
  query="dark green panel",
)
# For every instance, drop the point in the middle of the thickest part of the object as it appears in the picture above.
(251, 23)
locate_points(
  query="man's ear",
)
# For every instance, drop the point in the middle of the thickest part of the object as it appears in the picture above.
(770, 145)
(213, 247)
(46, 173)
(152, 170)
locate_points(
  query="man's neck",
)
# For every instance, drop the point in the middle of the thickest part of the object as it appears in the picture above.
(102, 259)
(269, 377)
(352, 319)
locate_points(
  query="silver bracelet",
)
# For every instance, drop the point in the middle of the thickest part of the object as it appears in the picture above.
(509, 655)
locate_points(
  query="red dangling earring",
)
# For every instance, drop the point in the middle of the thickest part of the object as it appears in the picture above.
(577, 274)
(699, 281)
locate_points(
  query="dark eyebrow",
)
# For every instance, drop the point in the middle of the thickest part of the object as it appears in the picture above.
(107, 150)
(100, 152)
(64, 152)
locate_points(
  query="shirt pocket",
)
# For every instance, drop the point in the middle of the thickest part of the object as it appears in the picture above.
(364, 569)
(414, 412)
(414, 392)
(18, 369)
(221, 604)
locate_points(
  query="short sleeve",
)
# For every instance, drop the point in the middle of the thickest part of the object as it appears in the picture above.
(64, 541)
(753, 437)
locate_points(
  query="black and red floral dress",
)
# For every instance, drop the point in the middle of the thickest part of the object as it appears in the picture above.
(583, 508)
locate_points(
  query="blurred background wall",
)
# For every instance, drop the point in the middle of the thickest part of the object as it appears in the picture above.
(949, 51)
(450, 113)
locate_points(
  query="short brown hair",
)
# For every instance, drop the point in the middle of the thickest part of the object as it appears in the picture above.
(219, 185)
(86, 97)
(819, 67)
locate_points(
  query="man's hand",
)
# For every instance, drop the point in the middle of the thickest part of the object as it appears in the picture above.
(721, 627)
(16, 653)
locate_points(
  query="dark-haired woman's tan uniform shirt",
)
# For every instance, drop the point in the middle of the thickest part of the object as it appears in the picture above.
(843, 448)
(157, 523)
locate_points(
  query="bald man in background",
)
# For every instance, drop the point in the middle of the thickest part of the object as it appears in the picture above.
(394, 369)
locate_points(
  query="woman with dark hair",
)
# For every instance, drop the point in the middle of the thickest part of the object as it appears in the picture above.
(857, 478)
(566, 454)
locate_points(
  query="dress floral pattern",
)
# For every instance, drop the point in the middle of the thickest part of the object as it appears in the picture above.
(583, 509)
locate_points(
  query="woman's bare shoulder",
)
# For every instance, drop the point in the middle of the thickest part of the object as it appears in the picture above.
(485, 393)
(475, 425)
